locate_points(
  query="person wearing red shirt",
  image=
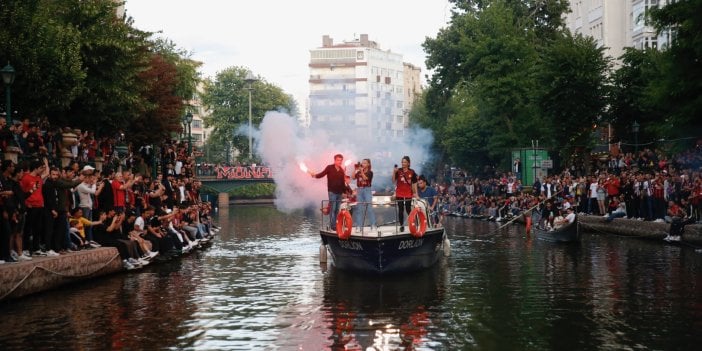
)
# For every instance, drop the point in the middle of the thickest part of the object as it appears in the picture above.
(37, 218)
(119, 191)
(405, 180)
(612, 184)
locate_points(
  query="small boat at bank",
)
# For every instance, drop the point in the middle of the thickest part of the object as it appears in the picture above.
(567, 233)
(387, 248)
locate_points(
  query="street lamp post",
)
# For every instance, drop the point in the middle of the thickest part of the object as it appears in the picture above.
(8, 77)
(250, 79)
(635, 128)
(188, 120)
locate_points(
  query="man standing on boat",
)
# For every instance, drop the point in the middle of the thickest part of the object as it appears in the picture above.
(429, 194)
(405, 180)
(336, 185)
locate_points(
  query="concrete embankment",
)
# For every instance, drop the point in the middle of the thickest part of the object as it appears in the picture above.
(44, 273)
(639, 229)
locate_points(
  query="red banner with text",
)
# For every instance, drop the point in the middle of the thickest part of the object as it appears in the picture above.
(248, 172)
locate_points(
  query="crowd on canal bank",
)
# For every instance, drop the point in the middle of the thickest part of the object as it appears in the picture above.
(72, 190)
(648, 186)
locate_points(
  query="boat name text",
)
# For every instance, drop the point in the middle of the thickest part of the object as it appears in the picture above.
(350, 245)
(410, 244)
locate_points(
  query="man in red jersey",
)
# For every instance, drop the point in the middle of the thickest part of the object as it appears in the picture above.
(37, 219)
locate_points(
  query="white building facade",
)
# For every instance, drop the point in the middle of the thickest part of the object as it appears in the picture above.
(357, 90)
(617, 24)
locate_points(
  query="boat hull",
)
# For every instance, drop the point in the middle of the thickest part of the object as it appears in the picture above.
(569, 233)
(385, 255)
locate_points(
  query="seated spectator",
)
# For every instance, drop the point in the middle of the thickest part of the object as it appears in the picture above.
(77, 229)
(619, 211)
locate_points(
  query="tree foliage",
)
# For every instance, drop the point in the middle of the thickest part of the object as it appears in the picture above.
(507, 72)
(573, 85)
(81, 65)
(499, 68)
(227, 97)
(44, 53)
(631, 100)
(678, 91)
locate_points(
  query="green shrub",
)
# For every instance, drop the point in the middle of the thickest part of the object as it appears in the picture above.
(254, 191)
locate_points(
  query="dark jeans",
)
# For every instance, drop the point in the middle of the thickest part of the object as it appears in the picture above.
(677, 226)
(4, 235)
(614, 215)
(38, 229)
(60, 237)
(404, 205)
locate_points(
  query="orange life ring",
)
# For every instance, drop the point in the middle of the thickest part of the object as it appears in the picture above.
(417, 215)
(344, 223)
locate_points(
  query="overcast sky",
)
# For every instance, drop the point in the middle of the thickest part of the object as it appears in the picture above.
(273, 37)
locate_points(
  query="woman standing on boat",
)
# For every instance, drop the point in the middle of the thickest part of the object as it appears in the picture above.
(364, 179)
(405, 180)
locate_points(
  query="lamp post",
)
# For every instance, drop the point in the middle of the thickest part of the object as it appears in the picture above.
(635, 128)
(250, 79)
(8, 77)
(188, 120)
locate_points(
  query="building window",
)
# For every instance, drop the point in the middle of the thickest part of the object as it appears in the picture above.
(197, 123)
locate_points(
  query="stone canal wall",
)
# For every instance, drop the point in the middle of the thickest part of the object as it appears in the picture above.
(638, 229)
(44, 273)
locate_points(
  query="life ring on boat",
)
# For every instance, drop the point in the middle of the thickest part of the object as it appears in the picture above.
(417, 215)
(344, 223)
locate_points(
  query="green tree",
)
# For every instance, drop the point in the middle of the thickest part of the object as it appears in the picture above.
(679, 91)
(631, 99)
(228, 100)
(45, 53)
(486, 57)
(573, 75)
(113, 54)
(80, 65)
(186, 67)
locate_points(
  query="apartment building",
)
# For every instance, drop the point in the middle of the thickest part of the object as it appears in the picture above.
(617, 24)
(359, 91)
(199, 133)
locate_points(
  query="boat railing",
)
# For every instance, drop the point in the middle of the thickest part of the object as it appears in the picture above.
(386, 213)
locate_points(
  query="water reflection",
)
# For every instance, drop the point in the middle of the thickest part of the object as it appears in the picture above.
(381, 313)
(260, 287)
(132, 311)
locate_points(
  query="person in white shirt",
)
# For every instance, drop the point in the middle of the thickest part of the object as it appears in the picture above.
(569, 218)
(592, 199)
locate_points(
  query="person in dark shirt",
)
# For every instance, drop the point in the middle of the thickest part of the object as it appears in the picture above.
(156, 235)
(336, 185)
(106, 199)
(108, 232)
(56, 203)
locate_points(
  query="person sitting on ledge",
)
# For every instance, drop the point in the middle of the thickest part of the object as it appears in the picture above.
(678, 220)
(620, 211)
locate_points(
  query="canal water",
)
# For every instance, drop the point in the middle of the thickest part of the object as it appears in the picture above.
(261, 287)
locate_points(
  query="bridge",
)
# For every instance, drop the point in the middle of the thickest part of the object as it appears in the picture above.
(225, 179)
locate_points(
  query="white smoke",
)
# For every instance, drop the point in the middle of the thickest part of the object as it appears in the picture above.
(283, 145)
